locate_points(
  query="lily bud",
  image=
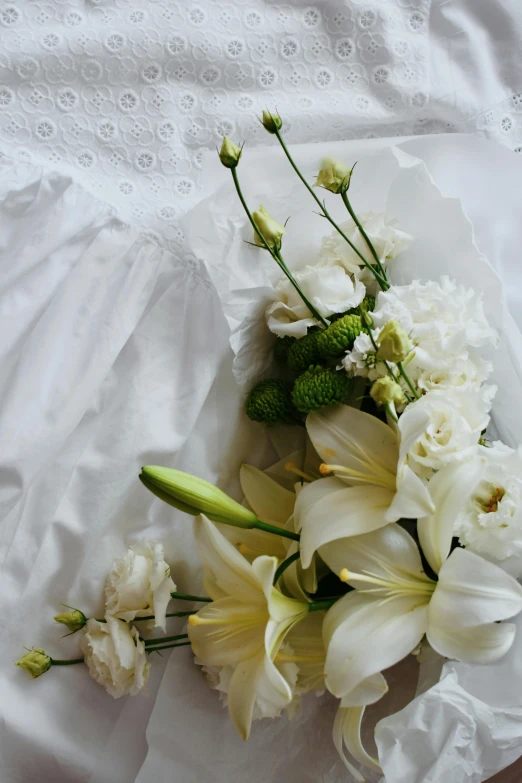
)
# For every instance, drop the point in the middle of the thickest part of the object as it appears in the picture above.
(196, 496)
(229, 153)
(334, 176)
(73, 620)
(385, 391)
(271, 230)
(272, 122)
(394, 343)
(36, 662)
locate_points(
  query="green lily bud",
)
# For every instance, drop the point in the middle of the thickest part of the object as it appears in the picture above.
(334, 176)
(73, 620)
(385, 391)
(272, 122)
(196, 496)
(229, 153)
(272, 230)
(394, 343)
(36, 662)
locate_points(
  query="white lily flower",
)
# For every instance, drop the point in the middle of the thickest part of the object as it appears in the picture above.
(372, 484)
(244, 626)
(395, 603)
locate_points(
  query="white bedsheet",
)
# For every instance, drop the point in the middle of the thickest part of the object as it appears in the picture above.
(112, 340)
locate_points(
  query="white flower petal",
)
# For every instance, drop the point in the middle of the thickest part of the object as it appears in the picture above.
(368, 692)
(347, 731)
(471, 591)
(450, 490)
(479, 644)
(412, 499)
(268, 499)
(229, 631)
(370, 635)
(349, 511)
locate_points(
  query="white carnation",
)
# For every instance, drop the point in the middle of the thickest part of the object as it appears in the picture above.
(454, 423)
(491, 522)
(139, 584)
(387, 240)
(446, 323)
(115, 656)
(328, 287)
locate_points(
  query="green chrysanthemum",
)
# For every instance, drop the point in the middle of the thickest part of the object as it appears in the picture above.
(282, 347)
(270, 402)
(321, 386)
(304, 352)
(367, 304)
(339, 336)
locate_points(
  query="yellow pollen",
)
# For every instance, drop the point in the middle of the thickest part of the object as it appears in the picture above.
(344, 576)
(325, 469)
(195, 620)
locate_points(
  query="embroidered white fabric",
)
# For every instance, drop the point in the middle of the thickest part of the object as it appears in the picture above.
(126, 95)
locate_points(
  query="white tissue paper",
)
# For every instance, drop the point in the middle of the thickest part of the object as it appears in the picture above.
(467, 726)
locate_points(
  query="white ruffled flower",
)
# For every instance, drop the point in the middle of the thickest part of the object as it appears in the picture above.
(446, 323)
(457, 374)
(387, 240)
(139, 584)
(362, 359)
(115, 656)
(491, 521)
(454, 422)
(328, 287)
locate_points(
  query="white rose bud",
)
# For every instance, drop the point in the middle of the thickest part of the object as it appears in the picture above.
(334, 176)
(271, 230)
(272, 122)
(139, 584)
(394, 343)
(229, 153)
(385, 391)
(115, 656)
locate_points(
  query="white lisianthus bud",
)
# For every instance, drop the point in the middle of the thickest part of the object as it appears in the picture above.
(394, 343)
(271, 230)
(36, 662)
(73, 620)
(333, 176)
(272, 122)
(229, 153)
(386, 391)
(196, 496)
(115, 656)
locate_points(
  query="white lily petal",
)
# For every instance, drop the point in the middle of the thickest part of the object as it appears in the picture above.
(480, 644)
(412, 498)
(368, 692)
(450, 490)
(356, 440)
(348, 511)
(472, 591)
(370, 635)
(231, 573)
(268, 499)
(228, 631)
(385, 552)
(347, 730)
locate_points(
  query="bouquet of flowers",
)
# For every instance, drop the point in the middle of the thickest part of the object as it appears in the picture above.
(395, 525)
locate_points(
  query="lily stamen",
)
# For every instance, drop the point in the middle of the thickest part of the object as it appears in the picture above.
(391, 588)
(291, 467)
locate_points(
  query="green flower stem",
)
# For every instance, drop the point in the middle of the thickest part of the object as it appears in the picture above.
(408, 380)
(278, 531)
(346, 201)
(170, 614)
(284, 565)
(167, 647)
(390, 407)
(276, 255)
(187, 597)
(66, 663)
(321, 606)
(166, 639)
(382, 281)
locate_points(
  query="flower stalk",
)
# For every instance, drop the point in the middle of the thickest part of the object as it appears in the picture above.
(284, 565)
(346, 201)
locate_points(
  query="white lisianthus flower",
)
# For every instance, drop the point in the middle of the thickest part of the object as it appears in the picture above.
(490, 523)
(387, 240)
(139, 584)
(456, 374)
(244, 626)
(115, 656)
(455, 420)
(445, 322)
(328, 287)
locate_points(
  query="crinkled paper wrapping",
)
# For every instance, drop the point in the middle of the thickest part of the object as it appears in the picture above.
(467, 726)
